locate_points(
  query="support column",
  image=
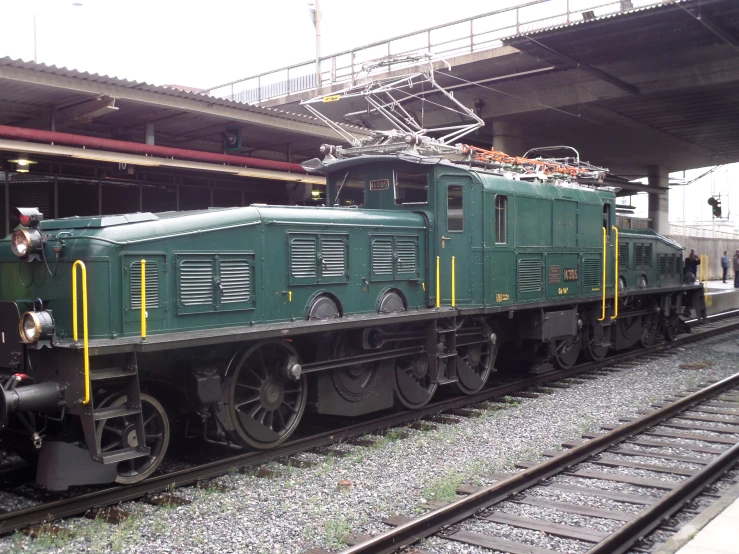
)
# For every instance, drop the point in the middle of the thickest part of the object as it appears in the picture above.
(508, 138)
(658, 201)
(149, 133)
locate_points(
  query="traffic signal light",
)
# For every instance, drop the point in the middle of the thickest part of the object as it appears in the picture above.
(231, 139)
(715, 204)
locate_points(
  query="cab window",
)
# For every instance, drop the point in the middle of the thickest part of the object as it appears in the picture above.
(349, 188)
(455, 208)
(501, 219)
(410, 188)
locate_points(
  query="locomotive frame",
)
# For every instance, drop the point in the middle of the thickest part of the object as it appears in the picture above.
(381, 308)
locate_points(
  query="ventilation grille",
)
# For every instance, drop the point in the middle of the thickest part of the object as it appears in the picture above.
(529, 275)
(667, 264)
(643, 255)
(303, 257)
(639, 254)
(591, 273)
(196, 282)
(334, 258)
(406, 251)
(623, 254)
(382, 257)
(152, 286)
(236, 281)
(647, 255)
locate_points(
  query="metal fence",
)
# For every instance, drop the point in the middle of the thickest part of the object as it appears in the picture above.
(465, 36)
(690, 231)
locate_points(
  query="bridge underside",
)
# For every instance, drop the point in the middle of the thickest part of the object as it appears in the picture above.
(657, 87)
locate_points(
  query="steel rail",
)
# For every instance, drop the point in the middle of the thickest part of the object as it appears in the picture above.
(651, 518)
(67, 507)
(431, 523)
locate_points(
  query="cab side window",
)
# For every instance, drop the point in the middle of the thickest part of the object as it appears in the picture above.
(410, 188)
(455, 208)
(501, 219)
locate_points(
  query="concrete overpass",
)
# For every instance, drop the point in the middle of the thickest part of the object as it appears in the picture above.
(643, 88)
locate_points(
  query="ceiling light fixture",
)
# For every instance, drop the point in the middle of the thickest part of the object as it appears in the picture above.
(23, 165)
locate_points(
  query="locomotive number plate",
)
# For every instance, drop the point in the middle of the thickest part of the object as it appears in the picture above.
(380, 184)
(571, 274)
(554, 273)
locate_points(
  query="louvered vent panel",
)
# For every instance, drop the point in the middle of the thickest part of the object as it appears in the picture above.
(647, 262)
(334, 258)
(407, 254)
(382, 257)
(623, 254)
(152, 286)
(639, 255)
(663, 261)
(591, 273)
(303, 257)
(529, 275)
(196, 282)
(236, 281)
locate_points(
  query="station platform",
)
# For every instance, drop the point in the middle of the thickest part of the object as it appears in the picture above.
(721, 297)
(714, 531)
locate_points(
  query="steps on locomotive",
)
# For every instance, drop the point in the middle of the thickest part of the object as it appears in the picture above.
(111, 373)
(127, 379)
(446, 351)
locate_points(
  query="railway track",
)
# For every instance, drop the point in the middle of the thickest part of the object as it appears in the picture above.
(709, 416)
(52, 506)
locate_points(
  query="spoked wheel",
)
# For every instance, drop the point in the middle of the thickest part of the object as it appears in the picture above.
(670, 328)
(357, 381)
(596, 336)
(265, 400)
(414, 384)
(120, 432)
(651, 330)
(475, 361)
(566, 351)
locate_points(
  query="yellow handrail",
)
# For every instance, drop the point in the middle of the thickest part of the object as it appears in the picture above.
(438, 283)
(603, 311)
(143, 299)
(703, 273)
(616, 281)
(84, 321)
(454, 285)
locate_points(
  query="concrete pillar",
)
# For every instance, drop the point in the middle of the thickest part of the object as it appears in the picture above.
(658, 201)
(149, 133)
(508, 138)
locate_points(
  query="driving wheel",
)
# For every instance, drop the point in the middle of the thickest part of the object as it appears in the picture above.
(267, 394)
(120, 432)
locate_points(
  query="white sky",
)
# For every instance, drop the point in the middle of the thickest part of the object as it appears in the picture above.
(209, 42)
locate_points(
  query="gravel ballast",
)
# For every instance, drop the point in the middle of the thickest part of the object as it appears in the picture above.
(305, 508)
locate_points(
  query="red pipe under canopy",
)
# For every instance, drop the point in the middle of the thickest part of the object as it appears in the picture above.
(9, 132)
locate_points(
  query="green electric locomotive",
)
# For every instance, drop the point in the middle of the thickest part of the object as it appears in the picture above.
(118, 331)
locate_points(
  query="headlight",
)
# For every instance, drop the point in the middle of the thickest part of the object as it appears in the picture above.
(36, 326)
(25, 241)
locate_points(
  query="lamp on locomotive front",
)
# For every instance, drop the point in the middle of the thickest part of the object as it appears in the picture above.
(27, 240)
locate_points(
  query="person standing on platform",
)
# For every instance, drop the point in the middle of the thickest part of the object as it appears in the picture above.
(725, 263)
(690, 269)
(735, 261)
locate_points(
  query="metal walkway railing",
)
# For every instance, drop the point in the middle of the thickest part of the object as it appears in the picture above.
(464, 36)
